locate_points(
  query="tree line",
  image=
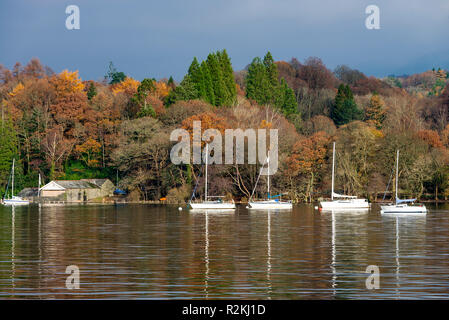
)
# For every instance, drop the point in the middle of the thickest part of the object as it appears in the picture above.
(62, 127)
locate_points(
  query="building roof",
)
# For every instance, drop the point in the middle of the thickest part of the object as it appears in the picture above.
(76, 184)
(60, 185)
(98, 182)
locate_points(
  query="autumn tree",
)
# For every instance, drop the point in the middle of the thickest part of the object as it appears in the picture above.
(375, 111)
(308, 159)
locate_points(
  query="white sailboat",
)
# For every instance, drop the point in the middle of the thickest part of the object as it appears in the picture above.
(14, 200)
(271, 202)
(208, 202)
(343, 202)
(401, 206)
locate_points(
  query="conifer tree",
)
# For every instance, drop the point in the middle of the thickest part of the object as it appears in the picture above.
(208, 85)
(213, 80)
(217, 79)
(171, 82)
(195, 74)
(288, 103)
(272, 72)
(92, 91)
(345, 109)
(257, 84)
(8, 150)
(228, 76)
(263, 86)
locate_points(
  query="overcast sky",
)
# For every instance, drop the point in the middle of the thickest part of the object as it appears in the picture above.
(160, 38)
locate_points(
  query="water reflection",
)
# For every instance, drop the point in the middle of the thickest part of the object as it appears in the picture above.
(348, 230)
(158, 252)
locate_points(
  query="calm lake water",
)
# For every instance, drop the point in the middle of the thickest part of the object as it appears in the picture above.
(158, 252)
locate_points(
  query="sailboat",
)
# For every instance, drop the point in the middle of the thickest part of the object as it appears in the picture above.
(272, 202)
(13, 201)
(342, 202)
(208, 202)
(402, 206)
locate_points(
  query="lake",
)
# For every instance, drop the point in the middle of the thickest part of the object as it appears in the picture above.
(159, 252)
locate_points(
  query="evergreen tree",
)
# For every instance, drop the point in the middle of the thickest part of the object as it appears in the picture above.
(263, 86)
(185, 91)
(217, 79)
(113, 75)
(345, 109)
(171, 82)
(257, 84)
(207, 83)
(195, 74)
(272, 72)
(8, 150)
(92, 91)
(228, 76)
(213, 81)
(288, 103)
(139, 100)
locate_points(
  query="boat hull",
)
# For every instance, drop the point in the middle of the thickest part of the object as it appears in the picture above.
(351, 204)
(9, 202)
(403, 209)
(213, 205)
(265, 205)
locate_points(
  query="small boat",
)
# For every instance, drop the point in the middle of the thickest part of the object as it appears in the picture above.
(343, 202)
(272, 202)
(208, 202)
(402, 206)
(14, 200)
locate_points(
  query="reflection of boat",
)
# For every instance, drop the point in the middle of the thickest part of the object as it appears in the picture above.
(207, 203)
(271, 202)
(206, 242)
(14, 200)
(343, 202)
(402, 206)
(406, 224)
(345, 217)
(270, 289)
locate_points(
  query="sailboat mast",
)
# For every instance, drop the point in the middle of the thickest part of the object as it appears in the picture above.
(268, 185)
(12, 185)
(397, 175)
(333, 171)
(205, 185)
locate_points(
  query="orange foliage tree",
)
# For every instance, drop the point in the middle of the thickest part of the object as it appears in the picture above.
(307, 159)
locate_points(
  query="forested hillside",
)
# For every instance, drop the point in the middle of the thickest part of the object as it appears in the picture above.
(64, 127)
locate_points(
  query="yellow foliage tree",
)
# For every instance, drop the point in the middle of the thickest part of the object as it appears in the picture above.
(16, 90)
(88, 151)
(68, 82)
(162, 89)
(128, 86)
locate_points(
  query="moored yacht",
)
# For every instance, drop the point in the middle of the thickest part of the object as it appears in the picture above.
(14, 200)
(272, 202)
(208, 202)
(402, 206)
(341, 201)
